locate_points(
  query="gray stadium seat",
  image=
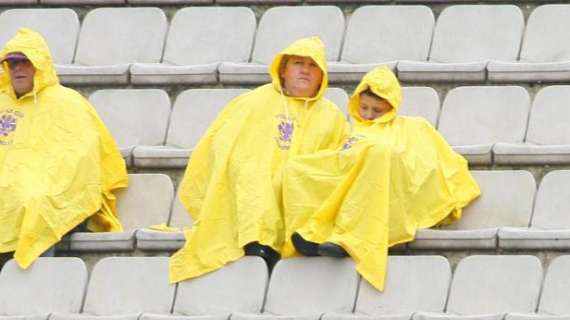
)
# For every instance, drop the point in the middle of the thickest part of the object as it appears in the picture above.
(193, 112)
(420, 102)
(113, 38)
(179, 217)
(506, 200)
(60, 28)
(237, 287)
(339, 97)
(133, 116)
(124, 287)
(473, 119)
(548, 136)
(200, 38)
(487, 287)
(279, 27)
(258, 2)
(304, 288)
(382, 35)
(550, 224)
(148, 239)
(146, 201)
(460, 51)
(17, 2)
(81, 2)
(337, 2)
(48, 285)
(553, 304)
(545, 53)
(167, 2)
(407, 290)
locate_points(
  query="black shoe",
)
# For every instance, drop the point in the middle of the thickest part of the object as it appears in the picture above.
(329, 249)
(266, 252)
(304, 247)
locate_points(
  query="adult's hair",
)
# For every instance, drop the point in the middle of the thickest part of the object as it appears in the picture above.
(283, 64)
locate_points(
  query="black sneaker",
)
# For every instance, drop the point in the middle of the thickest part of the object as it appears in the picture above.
(329, 249)
(304, 247)
(266, 252)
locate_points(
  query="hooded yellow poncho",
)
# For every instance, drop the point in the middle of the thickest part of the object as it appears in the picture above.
(232, 185)
(58, 162)
(394, 174)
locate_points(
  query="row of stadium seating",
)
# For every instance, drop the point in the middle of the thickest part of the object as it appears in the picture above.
(482, 287)
(506, 216)
(487, 124)
(209, 45)
(225, 2)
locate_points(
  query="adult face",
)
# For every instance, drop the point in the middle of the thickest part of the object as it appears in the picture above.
(21, 72)
(371, 107)
(301, 77)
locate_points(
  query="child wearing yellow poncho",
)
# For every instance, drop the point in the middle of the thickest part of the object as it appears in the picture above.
(393, 175)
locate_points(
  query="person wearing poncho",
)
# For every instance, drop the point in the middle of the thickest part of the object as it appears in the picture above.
(59, 164)
(232, 185)
(393, 175)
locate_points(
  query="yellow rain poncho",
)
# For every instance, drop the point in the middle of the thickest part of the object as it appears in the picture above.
(232, 185)
(58, 162)
(393, 175)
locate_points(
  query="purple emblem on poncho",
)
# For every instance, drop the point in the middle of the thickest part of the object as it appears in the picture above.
(286, 127)
(7, 124)
(349, 142)
(286, 130)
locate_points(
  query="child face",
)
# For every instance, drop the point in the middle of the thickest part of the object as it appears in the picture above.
(372, 107)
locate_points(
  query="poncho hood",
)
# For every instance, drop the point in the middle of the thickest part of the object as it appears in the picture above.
(382, 82)
(33, 45)
(311, 47)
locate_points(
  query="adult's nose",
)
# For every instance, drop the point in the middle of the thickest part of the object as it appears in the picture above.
(306, 67)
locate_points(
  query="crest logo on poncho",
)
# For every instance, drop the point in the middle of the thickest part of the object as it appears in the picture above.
(285, 128)
(350, 141)
(8, 124)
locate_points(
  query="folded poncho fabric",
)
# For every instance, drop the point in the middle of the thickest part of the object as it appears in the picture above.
(58, 162)
(232, 185)
(393, 175)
